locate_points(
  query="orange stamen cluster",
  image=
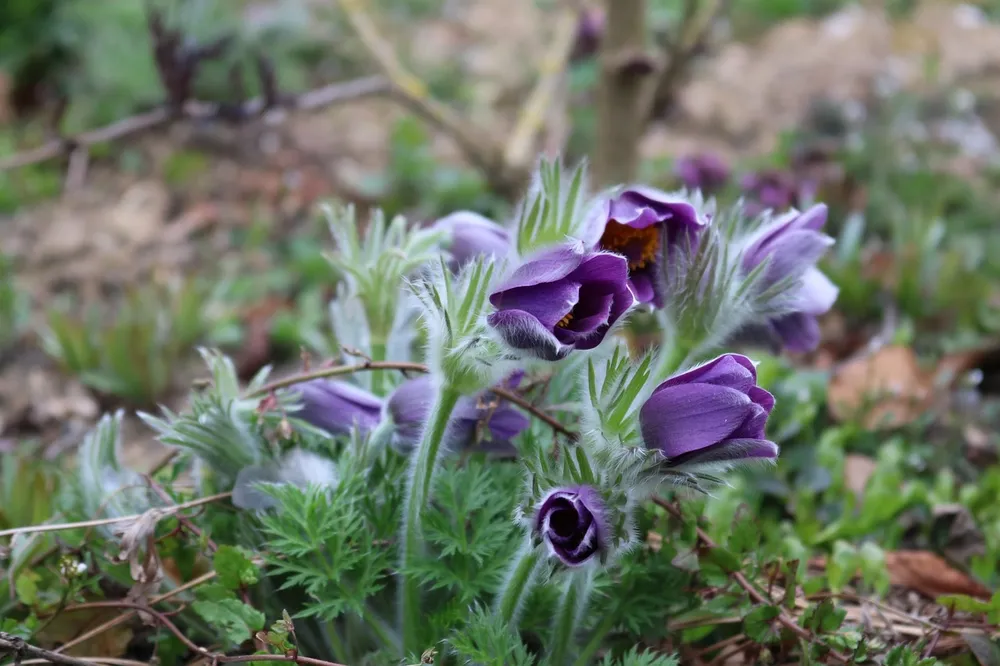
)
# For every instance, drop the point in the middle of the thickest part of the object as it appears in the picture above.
(564, 322)
(639, 245)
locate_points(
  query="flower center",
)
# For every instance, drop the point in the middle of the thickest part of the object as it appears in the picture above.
(639, 246)
(564, 322)
(564, 522)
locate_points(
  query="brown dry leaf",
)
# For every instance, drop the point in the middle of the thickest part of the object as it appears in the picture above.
(930, 575)
(857, 470)
(888, 388)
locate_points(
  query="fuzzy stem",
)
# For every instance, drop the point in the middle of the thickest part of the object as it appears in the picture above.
(597, 637)
(417, 494)
(576, 594)
(518, 582)
(379, 376)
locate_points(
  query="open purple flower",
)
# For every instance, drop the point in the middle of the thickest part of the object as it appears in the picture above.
(472, 235)
(792, 245)
(572, 523)
(635, 223)
(482, 421)
(706, 172)
(561, 299)
(714, 413)
(336, 406)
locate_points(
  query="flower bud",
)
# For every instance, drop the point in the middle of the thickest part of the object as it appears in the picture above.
(337, 406)
(472, 235)
(562, 299)
(635, 223)
(410, 404)
(769, 190)
(792, 245)
(572, 523)
(706, 172)
(714, 413)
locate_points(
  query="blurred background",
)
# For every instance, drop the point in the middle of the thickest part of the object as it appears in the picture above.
(161, 164)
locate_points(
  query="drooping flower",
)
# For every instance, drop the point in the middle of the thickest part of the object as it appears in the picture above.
(636, 222)
(471, 235)
(572, 523)
(792, 245)
(714, 413)
(336, 406)
(561, 299)
(482, 421)
(705, 171)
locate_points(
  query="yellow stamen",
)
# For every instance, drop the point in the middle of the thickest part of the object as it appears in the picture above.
(564, 322)
(638, 245)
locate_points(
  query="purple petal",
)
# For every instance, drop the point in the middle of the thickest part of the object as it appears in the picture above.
(506, 423)
(602, 267)
(523, 331)
(732, 450)
(547, 266)
(473, 235)
(799, 332)
(732, 370)
(679, 419)
(548, 302)
(592, 312)
(640, 207)
(754, 424)
(817, 293)
(791, 255)
(337, 406)
(761, 397)
(642, 285)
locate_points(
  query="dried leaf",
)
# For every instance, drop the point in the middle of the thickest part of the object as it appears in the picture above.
(930, 575)
(887, 389)
(857, 470)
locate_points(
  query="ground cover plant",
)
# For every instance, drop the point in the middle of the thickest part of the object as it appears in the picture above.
(551, 401)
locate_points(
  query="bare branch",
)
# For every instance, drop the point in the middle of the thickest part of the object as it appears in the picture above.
(198, 111)
(19, 648)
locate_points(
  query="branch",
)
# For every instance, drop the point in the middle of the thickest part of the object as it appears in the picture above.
(19, 648)
(414, 93)
(518, 153)
(56, 527)
(783, 619)
(625, 66)
(198, 111)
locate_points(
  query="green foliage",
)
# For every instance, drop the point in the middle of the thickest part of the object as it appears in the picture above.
(234, 567)
(220, 608)
(488, 641)
(635, 657)
(13, 305)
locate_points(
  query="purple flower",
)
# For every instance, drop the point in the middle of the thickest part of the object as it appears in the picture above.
(706, 172)
(769, 189)
(588, 34)
(482, 421)
(572, 523)
(472, 235)
(792, 245)
(714, 413)
(561, 299)
(635, 223)
(336, 406)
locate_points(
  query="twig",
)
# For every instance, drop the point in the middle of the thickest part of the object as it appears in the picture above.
(517, 154)
(535, 411)
(183, 520)
(112, 661)
(17, 646)
(197, 111)
(413, 92)
(56, 527)
(783, 619)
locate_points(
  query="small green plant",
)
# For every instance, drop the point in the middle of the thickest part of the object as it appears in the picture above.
(13, 305)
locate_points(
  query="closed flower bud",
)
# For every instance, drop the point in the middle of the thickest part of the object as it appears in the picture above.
(562, 299)
(706, 172)
(636, 223)
(471, 235)
(572, 523)
(481, 421)
(714, 413)
(792, 245)
(337, 406)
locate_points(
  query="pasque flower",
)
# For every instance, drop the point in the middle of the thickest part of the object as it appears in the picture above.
(705, 171)
(714, 413)
(635, 224)
(572, 523)
(791, 246)
(471, 235)
(561, 299)
(769, 189)
(336, 406)
(482, 421)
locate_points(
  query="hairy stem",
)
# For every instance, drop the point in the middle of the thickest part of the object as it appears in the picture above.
(576, 594)
(417, 494)
(379, 376)
(518, 583)
(597, 636)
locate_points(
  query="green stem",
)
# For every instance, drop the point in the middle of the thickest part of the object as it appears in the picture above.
(381, 629)
(340, 651)
(417, 494)
(576, 594)
(379, 376)
(518, 582)
(597, 637)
